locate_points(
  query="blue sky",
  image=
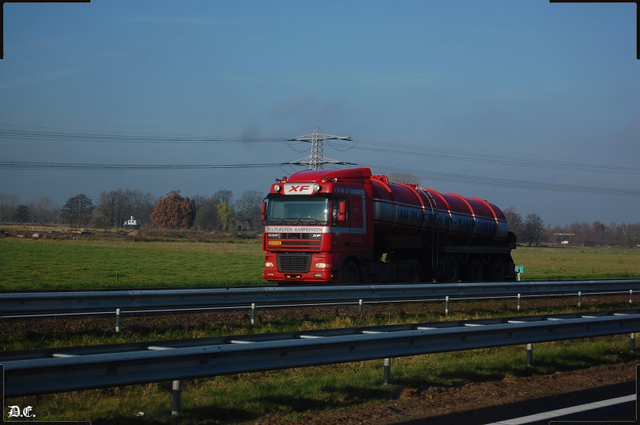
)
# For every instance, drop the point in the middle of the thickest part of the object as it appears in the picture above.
(426, 87)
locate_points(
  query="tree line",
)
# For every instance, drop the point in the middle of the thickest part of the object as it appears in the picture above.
(114, 207)
(220, 212)
(532, 231)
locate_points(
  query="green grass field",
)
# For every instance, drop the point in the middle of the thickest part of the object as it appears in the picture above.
(85, 264)
(99, 264)
(577, 263)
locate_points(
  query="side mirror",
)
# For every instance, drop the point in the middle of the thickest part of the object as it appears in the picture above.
(263, 212)
(342, 211)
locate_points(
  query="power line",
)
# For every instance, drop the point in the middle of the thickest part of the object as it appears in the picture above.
(520, 184)
(481, 157)
(93, 137)
(20, 165)
(64, 135)
(429, 175)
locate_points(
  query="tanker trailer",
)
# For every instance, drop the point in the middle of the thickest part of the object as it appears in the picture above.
(348, 226)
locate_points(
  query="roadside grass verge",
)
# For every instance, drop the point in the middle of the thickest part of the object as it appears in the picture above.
(164, 328)
(293, 393)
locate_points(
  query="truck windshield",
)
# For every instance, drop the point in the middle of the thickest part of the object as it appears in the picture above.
(298, 211)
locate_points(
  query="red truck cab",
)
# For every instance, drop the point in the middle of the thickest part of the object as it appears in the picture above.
(315, 222)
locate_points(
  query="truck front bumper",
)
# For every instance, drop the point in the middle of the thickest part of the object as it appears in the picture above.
(320, 270)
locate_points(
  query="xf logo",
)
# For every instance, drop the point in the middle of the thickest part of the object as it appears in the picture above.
(299, 188)
(15, 412)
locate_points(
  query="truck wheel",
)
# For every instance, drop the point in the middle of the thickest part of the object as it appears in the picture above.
(473, 271)
(451, 270)
(497, 271)
(413, 274)
(350, 273)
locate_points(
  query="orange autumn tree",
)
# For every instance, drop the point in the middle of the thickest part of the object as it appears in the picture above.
(174, 211)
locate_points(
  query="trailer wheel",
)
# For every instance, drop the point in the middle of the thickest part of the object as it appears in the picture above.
(451, 270)
(497, 271)
(473, 271)
(350, 272)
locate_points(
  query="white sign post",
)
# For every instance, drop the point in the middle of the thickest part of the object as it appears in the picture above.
(519, 269)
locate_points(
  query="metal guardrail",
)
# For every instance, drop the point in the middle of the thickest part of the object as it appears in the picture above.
(67, 369)
(101, 300)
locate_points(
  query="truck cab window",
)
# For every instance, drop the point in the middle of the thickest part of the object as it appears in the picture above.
(294, 210)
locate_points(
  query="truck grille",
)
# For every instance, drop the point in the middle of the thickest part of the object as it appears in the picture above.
(293, 263)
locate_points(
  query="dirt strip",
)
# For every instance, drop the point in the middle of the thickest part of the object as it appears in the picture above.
(472, 403)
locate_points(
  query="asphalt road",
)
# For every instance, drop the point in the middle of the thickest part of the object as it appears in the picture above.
(625, 412)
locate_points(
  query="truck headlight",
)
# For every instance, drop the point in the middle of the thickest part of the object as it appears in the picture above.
(322, 266)
(268, 264)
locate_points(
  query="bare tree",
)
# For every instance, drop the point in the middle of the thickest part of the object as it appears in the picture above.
(8, 204)
(23, 213)
(223, 195)
(46, 210)
(514, 220)
(197, 201)
(116, 206)
(207, 215)
(139, 204)
(248, 208)
(109, 211)
(599, 232)
(533, 229)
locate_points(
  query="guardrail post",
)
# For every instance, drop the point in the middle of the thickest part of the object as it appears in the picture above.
(360, 306)
(117, 320)
(519, 303)
(175, 400)
(633, 342)
(579, 299)
(446, 304)
(630, 296)
(529, 354)
(387, 370)
(253, 313)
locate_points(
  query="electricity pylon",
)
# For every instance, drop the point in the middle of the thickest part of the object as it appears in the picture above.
(316, 160)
